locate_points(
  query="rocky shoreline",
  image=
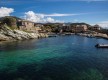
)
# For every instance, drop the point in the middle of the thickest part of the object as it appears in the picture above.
(7, 34)
(100, 35)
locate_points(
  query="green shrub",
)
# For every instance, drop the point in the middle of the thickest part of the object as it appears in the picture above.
(10, 21)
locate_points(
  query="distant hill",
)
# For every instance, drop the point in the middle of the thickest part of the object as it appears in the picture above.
(80, 24)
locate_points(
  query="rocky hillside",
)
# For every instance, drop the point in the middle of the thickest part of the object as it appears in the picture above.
(7, 34)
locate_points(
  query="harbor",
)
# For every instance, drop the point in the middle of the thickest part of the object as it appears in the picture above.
(53, 39)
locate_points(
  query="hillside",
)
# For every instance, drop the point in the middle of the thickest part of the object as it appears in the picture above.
(17, 18)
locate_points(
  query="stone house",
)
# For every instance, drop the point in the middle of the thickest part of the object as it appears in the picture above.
(67, 28)
(95, 27)
(79, 28)
(26, 26)
(38, 27)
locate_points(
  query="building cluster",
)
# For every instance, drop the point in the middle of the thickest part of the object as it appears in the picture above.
(29, 26)
(77, 28)
(62, 27)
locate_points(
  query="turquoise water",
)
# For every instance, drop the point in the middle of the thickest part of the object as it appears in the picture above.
(58, 58)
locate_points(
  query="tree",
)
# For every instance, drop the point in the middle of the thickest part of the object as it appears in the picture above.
(10, 21)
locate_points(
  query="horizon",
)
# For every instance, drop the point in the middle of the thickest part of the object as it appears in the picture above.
(54, 11)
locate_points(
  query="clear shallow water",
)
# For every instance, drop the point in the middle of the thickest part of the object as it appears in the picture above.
(58, 58)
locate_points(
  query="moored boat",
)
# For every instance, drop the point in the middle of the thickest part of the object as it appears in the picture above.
(52, 35)
(101, 45)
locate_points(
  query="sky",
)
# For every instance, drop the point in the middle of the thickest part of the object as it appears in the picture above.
(89, 11)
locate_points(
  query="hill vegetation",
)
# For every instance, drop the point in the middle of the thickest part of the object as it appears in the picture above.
(10, 21)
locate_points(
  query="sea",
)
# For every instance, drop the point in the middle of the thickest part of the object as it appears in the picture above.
(68, 57)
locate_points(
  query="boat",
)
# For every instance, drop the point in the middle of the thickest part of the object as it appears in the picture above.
(68, 34)
(101, 45)
(52, 35)
(90, 36)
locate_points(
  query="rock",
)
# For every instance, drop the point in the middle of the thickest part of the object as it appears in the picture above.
(4, 38)
(21, 35)
(7, 34)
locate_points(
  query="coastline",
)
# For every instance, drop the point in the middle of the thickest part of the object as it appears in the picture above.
(7, 34)
(99, 35)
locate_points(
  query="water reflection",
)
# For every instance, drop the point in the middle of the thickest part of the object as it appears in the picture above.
(18, 45)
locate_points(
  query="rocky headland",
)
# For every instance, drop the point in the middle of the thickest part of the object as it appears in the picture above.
(7, 34)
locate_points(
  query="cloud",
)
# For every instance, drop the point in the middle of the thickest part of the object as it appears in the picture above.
(43, 18)
(59, 15)
(31, 16)
(49, 19)
(39, 18)
(62, 15)
(103, 24)
(56, 15)
(4, 11)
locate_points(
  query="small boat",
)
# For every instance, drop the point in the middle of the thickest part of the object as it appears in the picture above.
(101, 45)
(68, 34)
(90, 36)
(52, 35)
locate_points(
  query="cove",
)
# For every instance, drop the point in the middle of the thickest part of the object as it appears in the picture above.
(56, 58)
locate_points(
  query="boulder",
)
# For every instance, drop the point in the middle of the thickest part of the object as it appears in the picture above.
(4, 38)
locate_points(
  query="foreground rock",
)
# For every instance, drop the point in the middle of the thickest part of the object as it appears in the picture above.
(6, 34)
